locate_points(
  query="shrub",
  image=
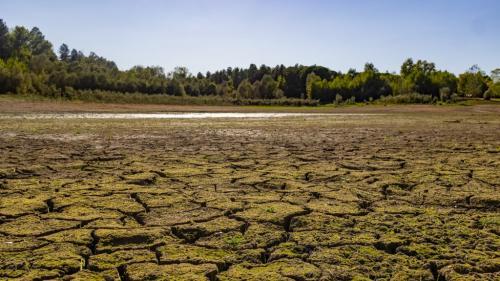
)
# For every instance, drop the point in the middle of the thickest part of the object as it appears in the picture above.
(338, 99)
(444, 94)
(69, 93)
(488, 94)
(351, 100)
(407, 98)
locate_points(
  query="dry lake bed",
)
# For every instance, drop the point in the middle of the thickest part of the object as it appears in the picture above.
(398, 195)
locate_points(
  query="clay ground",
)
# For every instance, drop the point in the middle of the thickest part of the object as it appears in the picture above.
(412, 195)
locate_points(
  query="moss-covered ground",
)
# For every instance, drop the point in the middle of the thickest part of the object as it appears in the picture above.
(402, 196)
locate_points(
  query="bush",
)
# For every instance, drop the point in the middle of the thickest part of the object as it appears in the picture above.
(407, 98)
(338, 99)
(488, 94)
(444, 94)
(276, 102)
(351, 100)
(69, 93)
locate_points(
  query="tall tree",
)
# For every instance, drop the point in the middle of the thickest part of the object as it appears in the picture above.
(64, 52)
(310, 80)
(245, 89)
(73, 55)
(268, 87)
(370, 67)
(252, 73)
(495, 75)
(180, 73)
(406, 67)
(416, 76)
(176, 88)
(444, 79)
(472, 83)
(4, 40)
(20, 38)
(39, 45)
(294, 88)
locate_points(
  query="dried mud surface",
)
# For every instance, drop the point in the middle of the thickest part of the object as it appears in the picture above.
(396, 197)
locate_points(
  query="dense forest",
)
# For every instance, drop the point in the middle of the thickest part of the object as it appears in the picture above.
(30, 65)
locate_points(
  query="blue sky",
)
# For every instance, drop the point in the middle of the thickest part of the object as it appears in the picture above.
(213, 34)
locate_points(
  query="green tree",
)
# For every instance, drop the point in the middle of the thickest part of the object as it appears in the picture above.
(192, 89)
(368, 84)
(281, 82)
(20, 38)
(208, 88)
(495, 75)
(40, 63)
(417, 77)
(180, 73)
(494, 85)
(444, 79)
(268, 88)
(4, 41)
(312, 78)
(406, 67)
(253, 73)
(176, 88)
(64, 52)
(39, 45)
(74, 55)
(294, 88)
(225, 89)
(369, 67)
(14, 77)
(245, 89)
(472, 83)
(495, 90)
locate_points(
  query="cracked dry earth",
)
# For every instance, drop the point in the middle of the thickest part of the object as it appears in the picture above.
(395, 197)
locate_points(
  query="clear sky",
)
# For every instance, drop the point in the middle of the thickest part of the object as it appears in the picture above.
(213, 34)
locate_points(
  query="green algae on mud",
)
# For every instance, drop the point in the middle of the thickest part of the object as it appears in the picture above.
(400, 197)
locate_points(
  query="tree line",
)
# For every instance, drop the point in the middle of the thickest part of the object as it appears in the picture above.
(29, 65)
